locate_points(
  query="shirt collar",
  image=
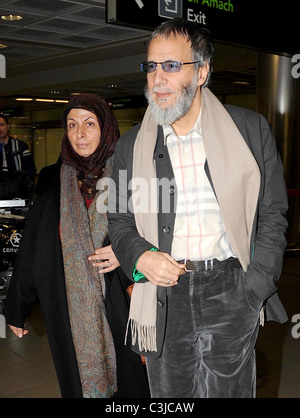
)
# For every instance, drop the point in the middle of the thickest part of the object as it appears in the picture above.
(168, 129)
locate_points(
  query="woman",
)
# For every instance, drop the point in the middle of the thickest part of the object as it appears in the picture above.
(66, 262)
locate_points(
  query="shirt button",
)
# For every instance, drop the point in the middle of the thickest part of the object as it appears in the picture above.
(171, 190)
(166, 229)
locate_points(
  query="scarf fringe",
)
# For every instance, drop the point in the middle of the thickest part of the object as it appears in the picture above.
(144, 335)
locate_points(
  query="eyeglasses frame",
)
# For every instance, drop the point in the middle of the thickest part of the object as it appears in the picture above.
(162, 65)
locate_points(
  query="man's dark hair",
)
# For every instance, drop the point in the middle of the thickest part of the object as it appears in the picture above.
(4, 117)
(200, 38)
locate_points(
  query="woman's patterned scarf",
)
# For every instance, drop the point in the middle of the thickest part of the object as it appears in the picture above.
(83, 230)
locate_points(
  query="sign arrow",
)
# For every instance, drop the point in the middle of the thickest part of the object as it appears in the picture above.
(139, 3)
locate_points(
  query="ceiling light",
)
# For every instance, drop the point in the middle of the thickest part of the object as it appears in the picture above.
(11, 17)
(45, 100)
(29, 99)
(241, 82)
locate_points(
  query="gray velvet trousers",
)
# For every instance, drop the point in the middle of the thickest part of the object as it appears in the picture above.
(211, 331)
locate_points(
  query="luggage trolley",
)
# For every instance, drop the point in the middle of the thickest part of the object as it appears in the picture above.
(13, 211)
(12, 221)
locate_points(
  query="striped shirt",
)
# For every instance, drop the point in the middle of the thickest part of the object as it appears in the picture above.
(199, 231)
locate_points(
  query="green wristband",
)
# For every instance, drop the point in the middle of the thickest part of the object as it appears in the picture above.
(137, 275)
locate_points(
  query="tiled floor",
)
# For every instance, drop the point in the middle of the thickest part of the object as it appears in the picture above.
(27, 371)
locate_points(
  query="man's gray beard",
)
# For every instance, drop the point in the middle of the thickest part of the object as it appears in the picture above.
(179, 109)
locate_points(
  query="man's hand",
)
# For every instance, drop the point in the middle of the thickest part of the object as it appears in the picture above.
(160, 268)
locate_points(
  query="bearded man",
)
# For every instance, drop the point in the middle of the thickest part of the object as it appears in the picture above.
(197, 221)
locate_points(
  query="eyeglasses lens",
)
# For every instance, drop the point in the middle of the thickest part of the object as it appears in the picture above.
(167, 66)
(171, 66)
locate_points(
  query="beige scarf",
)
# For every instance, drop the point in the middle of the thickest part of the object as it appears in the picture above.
(236, 179)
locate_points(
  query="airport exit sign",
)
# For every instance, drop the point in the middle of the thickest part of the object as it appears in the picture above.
(258, 24)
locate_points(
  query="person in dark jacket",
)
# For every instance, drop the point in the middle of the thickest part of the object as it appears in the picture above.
(14, 153)
(66, 262)
(197, 220)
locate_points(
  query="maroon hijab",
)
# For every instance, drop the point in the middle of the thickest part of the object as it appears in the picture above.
(90, 169)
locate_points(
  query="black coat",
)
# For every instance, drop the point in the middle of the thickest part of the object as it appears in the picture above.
(38, 274)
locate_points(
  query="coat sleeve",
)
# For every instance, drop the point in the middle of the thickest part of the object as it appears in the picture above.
(268, 241)
(22, 293)
(126, 242)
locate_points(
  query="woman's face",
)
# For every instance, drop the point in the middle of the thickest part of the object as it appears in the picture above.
(83, 131)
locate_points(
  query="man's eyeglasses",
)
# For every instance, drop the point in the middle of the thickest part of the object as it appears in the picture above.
(167, 66)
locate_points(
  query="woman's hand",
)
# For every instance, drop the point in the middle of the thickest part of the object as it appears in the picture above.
(19, 332)
(104, 258)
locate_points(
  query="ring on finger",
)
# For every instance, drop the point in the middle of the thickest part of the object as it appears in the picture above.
(108, 264)
(168, 282)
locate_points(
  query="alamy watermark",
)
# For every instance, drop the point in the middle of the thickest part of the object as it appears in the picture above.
(2, 66)
(296, 68)
(139, 195)
(296, 328)
(2, 327)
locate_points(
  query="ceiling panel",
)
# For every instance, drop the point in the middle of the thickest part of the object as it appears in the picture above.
(117, 33)
(27, 34)
(88, 14)
(80, 41)
(28, 19)
(47, 7)
(62, 25)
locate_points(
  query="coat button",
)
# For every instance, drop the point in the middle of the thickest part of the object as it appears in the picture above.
(166, 229)
(160, 303)
(160, 155)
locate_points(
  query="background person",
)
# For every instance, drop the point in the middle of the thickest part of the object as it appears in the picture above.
(14, 153)
(66, 261)
(205, 271)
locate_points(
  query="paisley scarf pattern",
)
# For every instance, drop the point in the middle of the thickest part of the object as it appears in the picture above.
(83, 230)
